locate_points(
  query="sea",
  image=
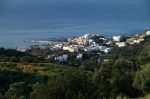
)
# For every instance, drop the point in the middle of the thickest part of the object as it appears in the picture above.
(22, 20)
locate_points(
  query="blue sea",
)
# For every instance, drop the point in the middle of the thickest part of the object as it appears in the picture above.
(22, 20)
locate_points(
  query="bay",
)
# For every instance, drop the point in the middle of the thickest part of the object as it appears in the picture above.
(22, 20)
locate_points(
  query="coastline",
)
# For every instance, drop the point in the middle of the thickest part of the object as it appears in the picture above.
(25, 43)
(88, 42)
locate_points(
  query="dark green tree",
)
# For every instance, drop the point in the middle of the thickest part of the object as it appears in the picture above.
(142, 79)
(115, 78)
(70, 86)
(17, 91)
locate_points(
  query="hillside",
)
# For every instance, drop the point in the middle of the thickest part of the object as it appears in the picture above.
(29, 75)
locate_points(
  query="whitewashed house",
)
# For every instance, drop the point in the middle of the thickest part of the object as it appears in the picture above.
(134, 40)
(22, 49)
(51, 56)
(147, 32)
(121, 44)
(109, 42)
(60, 46)
(87, 36)
(91, 42)
(79, 56)
(62, 58)
(91, 48)
(107, 50)
(137, 41)
(71, 48)
(117, 38)
(130, 40)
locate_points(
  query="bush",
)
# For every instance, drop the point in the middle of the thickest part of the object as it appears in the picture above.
(147, 96)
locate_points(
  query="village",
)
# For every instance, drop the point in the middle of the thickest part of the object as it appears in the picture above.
(87, 43)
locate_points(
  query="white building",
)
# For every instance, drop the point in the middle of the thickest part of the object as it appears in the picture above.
(62, 58)
(91, 48)
(130, 40)
(79, 56)
(121, 44)
(54, 48)
(117, 38)
(107, 50)
(71, 48)
(104, 49)
(109, 42)
(134, 40)
(87, 36)
(58, 45)
(137, 41)
(147, 32)
(51, 56)
(91, 42)
(22, 49)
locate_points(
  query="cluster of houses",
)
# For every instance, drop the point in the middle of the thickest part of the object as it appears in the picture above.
(87, 43)
(64, 57)
(122, 41)
(84, 43)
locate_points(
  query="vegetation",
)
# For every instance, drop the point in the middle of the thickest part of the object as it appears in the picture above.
(125, 74)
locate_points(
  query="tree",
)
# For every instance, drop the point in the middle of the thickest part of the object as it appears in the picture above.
(142, 78)
(17, 91)
(122, 78)
(69, 86)
(13, 59)
(101, 79)
(26, 59)
(144, 56)
(115, 78)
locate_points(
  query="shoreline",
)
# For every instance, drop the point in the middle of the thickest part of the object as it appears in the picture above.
(88, 42)
(28, 43)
